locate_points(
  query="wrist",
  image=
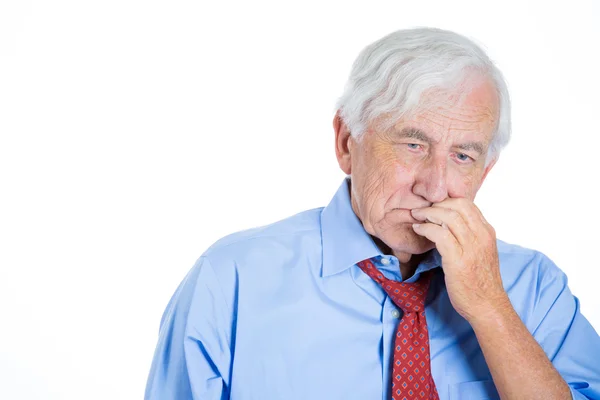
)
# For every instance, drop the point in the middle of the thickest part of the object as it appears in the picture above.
(493, 313)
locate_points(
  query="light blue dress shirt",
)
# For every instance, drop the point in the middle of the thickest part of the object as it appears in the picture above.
(283, 312)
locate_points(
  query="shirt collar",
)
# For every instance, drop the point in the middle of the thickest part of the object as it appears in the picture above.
(345, 241)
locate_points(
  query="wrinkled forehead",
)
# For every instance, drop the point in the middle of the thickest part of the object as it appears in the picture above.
(477, 96)
(470, 105)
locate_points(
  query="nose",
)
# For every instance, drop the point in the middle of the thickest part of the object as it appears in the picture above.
(431, 180)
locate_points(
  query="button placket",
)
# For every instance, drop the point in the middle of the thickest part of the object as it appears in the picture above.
(390, 323)
(411, 368)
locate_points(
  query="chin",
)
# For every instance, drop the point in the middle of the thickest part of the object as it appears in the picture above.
(405, 240)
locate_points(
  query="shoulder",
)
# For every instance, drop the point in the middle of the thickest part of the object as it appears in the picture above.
(267, 247)
(288, 230)
(516, 261)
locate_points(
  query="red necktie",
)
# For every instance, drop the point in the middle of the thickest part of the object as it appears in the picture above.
(411, 375)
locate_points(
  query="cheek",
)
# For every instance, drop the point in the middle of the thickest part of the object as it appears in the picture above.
(462, 185)
(403, 174)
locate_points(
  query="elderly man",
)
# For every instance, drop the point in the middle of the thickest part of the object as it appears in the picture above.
(398, 288)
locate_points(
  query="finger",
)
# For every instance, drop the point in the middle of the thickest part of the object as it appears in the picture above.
(450, 218)
(444, 240)
(471, 214)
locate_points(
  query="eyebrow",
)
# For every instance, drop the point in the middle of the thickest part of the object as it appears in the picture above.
(414, 133)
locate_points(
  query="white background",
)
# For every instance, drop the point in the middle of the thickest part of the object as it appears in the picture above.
(136, 133)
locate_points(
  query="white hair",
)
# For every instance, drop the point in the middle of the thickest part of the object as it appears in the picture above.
(390, 75)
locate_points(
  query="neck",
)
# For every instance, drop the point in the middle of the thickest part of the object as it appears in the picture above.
(408, 268)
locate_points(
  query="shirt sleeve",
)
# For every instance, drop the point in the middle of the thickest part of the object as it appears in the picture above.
(567, 337)
(192, 357)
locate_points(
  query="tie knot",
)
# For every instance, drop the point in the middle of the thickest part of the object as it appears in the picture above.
(410, 297)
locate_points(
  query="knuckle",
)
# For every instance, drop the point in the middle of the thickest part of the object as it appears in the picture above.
(454, 215)
(447, 234)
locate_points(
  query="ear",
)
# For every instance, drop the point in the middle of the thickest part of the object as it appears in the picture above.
(342, 140)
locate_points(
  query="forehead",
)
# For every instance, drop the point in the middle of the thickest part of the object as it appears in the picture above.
(473, 107)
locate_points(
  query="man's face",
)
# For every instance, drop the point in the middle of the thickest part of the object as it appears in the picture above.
(423, 159)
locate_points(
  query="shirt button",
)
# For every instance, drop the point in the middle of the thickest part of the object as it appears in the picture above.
(385, 261)
(395, 313)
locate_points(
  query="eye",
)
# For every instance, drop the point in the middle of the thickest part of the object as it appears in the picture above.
(410, 145)
(463, 157)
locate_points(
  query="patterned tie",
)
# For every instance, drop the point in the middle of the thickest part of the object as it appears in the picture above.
(411, 376)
